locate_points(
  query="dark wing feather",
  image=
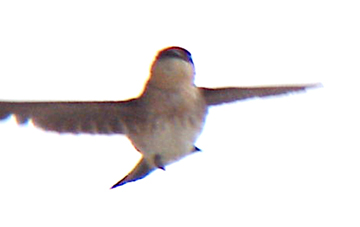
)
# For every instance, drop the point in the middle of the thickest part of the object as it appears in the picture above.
(71, 117)
(215, 96)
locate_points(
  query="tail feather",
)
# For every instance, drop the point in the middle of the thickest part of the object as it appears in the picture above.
(141, 170)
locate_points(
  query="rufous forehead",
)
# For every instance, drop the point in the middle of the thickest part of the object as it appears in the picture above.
(175, 52)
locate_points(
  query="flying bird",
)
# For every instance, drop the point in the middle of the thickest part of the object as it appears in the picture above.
(163, 123)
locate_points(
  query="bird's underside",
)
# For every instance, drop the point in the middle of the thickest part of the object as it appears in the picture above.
(106, 117)
(163, 123)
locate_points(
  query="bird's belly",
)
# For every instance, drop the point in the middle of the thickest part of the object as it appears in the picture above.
(171, 138)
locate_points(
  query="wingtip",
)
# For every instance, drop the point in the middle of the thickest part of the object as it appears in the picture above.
(315, 85)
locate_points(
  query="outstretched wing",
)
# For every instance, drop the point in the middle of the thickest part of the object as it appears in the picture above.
(215, 96)
(71, 117)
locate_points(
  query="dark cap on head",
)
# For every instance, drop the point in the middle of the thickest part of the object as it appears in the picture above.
(175, 52)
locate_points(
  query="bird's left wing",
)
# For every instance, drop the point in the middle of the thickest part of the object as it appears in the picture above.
(71, 117)
(215, 96)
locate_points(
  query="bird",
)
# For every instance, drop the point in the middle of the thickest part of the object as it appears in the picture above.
(163, 122)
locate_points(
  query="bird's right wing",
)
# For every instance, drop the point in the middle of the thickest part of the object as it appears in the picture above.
(71, 117)
(216, 96)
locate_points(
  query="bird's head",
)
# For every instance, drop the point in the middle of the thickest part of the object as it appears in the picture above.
(172, 67)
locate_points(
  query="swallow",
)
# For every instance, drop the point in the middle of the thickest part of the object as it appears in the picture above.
(163, 123)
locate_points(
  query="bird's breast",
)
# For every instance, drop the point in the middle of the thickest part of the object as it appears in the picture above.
(167, 125)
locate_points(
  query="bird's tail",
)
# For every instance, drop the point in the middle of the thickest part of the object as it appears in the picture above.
(141, 170)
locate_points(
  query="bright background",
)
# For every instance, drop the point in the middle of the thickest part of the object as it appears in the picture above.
(287, 161)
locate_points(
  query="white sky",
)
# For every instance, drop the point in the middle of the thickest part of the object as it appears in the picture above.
(287, 161)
